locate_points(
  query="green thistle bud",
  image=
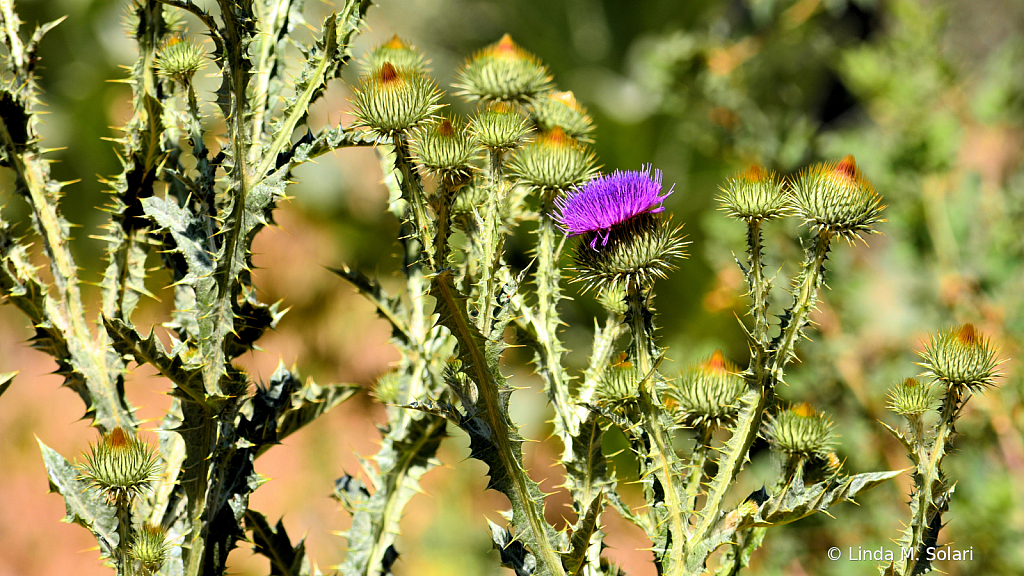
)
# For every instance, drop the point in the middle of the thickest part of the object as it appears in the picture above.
(179, 59)
(553, 162)
(562, 110)
(638, 251)
(708, 392)
(120, 465)
(397, 53)
(503, 72)
(445, 150)
(620, 381)
(837, 198)
(387, 388)
(392, 100)
(470, 198)
(800, 430)
(500, 127)
(961, 357)
(613, 299)
(912, 398)
(755, 194)
(150, 547)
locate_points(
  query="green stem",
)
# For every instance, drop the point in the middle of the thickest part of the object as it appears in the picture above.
(548, 277)
(806, 296)
(759, 288)
(413, 193)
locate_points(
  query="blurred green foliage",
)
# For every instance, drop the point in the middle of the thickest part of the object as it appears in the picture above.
(927, 94)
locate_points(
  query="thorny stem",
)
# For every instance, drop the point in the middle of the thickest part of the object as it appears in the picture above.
(123, 510)
(758, 286)
(548, 277)
(662, 454)
(490, 244)
(762, 374)
(927, 503)
(698, 460)
(414, 197)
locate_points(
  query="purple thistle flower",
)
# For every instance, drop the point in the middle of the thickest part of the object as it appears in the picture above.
(609, 200)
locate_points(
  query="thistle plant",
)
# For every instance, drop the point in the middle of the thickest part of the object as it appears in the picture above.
(522, 159)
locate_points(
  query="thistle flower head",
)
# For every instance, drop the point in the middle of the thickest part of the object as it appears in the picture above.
(800, 430)
(150, 547)
(444, 149)
(562, 110)
(553, 162)
(120, 465)
(391, 100)
(912, 397)
(179, 59)
(961, 357)
(608, 201)
(755, 194)
(500, 127)
(836, 197)
(633, 255)
(396, 52)
(503, 72)
(708, 392)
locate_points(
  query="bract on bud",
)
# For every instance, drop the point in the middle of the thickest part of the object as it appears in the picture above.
(391, 100)
(836, 197)
(120, 465)
(179, 59)
(912, 397)
(503, 72)
(708, 392)
(800, 430)
(961, 357)
(396, 52)
(755, 194)
(560, 109)
(553, 162)
(500, 127)
(445, 150)
(150, 547)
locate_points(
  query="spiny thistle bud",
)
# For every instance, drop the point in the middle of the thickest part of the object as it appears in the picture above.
(755, 194)
(708, 392)
(150, 547)
(396, 52)
(912, 398)
(553, 162)
(800, 430)
(613, 299)
(388, 388)
(500, 127)
(179, 59)
(636, 252)
(562, 110)
(620, 381)
(469, 198)
(445, 150)
(837, 198)
(393, 100)
(120, 465)
(503, 72)
(961, 357)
